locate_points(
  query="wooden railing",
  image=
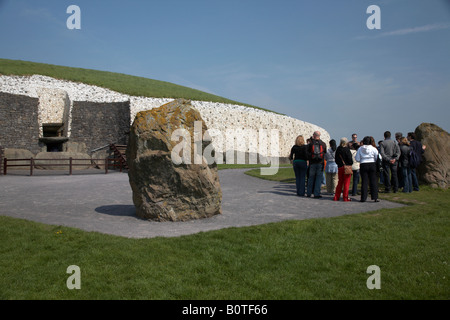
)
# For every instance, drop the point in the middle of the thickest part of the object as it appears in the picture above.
(107, 162)
(1, 158)
(119, 152)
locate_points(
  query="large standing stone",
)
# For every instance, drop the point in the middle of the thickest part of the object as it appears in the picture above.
(435, 167)
(163, 190)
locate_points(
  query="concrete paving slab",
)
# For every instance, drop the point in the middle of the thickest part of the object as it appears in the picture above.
(103, 203)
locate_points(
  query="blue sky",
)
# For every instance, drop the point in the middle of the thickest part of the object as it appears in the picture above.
(312, 60)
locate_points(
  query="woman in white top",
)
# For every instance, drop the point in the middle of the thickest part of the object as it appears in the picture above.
(367, 156)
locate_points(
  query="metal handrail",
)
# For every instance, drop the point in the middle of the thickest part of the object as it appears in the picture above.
(93, 150)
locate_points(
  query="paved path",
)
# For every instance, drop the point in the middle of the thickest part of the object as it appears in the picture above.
(103, 203)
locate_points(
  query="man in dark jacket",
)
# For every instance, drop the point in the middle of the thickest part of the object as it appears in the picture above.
(390, 153)
(418, 149)
(316, 154)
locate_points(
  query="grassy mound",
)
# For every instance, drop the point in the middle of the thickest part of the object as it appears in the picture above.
(126, 84)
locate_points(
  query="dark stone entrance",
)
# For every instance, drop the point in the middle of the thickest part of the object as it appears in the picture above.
(53, 136)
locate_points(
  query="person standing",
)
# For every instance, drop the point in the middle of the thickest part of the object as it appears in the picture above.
(355, 167)
(367, 156)
(418, 150)
(390, 153)
(354, 140)
(343, 157)
(380, 167)
(299, 156)
(316, 155)
(398, 138)
(404, 164)
(331, 168)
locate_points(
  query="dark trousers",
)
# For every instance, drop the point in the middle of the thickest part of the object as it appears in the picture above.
(368, 172)
(401, 182)
(300, 168)
(355, 182)
(390, 176)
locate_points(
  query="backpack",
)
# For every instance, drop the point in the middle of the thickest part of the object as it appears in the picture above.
(317, 150)
(414, 160)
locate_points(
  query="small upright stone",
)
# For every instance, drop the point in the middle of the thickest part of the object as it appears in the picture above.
(162, 189)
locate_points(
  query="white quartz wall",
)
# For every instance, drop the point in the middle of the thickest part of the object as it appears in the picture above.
(54, 106)
(253, 128)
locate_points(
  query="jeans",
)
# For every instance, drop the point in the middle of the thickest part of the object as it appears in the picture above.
(415, 181)
(407, 179)
(300, 176)
(315, 179)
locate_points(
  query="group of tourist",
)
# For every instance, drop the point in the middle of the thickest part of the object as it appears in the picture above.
(392, 163)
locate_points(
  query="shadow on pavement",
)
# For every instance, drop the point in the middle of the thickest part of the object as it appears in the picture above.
(118, 210)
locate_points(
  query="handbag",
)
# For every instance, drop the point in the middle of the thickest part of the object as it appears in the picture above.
(347, 169)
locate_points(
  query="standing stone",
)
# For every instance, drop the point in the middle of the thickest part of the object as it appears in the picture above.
(163, 190)
(435, 167)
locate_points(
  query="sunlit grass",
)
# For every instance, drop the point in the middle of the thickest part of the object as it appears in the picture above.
(310, 259)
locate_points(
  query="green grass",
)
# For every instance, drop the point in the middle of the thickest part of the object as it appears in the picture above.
(310, 259)
(285, 174)
(127, 84)
(248, 166)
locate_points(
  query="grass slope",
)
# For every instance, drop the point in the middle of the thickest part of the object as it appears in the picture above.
(127, 84)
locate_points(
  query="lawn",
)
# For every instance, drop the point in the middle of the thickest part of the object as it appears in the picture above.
(285, 174)
(310, 259)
